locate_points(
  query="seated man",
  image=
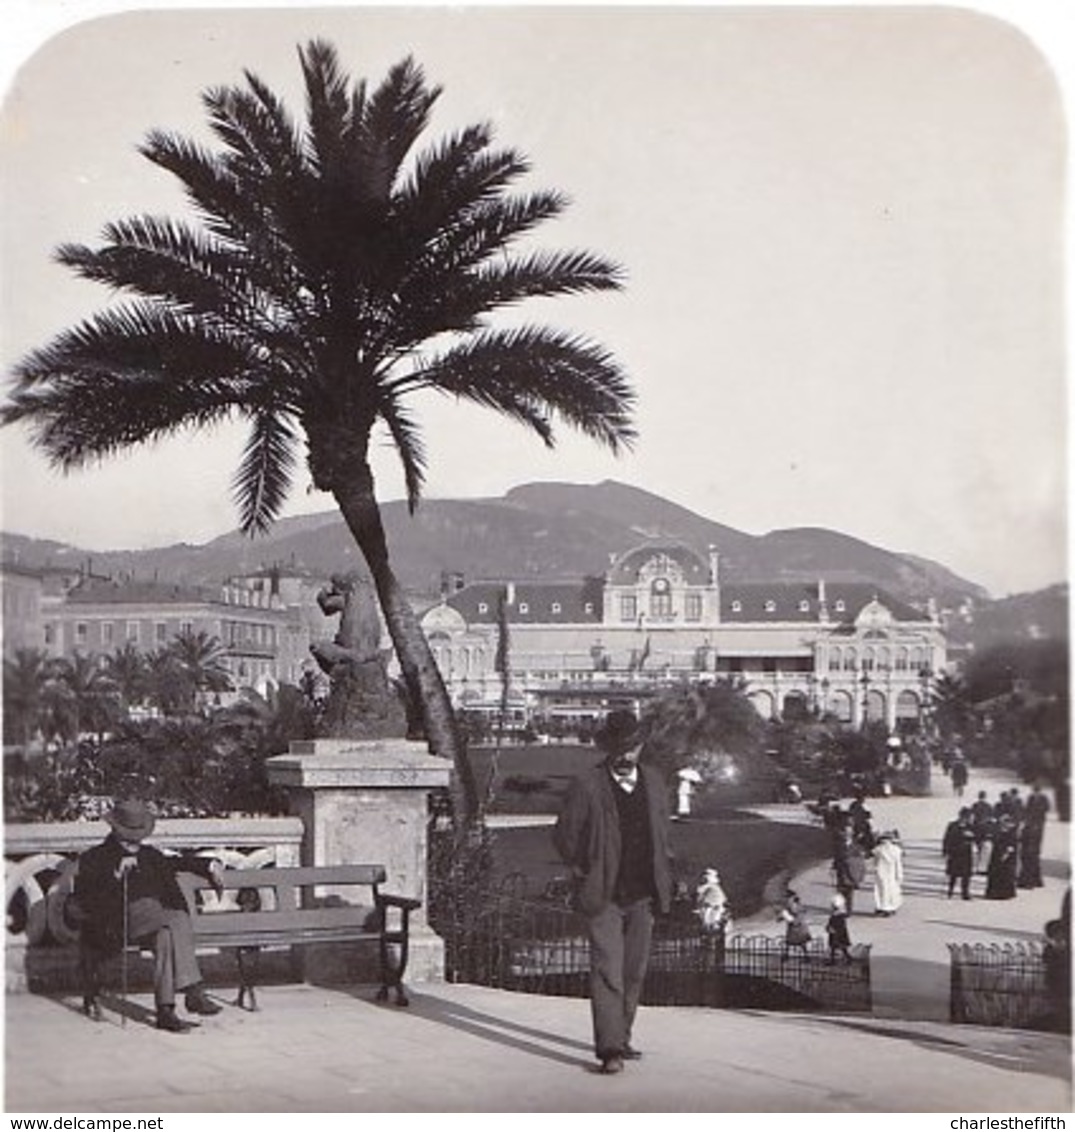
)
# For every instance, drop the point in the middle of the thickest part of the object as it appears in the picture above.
(157, 914)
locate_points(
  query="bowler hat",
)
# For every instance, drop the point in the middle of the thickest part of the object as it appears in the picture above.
(131, 819)
(619, 733)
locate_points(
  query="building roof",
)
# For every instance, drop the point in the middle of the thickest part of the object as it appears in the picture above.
(531, 602)
(800, 601)
(109, 592)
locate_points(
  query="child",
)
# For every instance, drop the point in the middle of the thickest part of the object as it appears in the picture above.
(711, 903)
(798, 930)
(836, 928)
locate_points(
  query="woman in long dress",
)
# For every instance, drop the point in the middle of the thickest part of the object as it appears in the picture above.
(888, 874)
(1000, 879)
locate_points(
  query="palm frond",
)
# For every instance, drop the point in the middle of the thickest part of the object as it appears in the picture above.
(172, 262)
(462, 300)
(411, 449)
(126, 376)
(393, 118)
(534, 375)
(261, 484)
(329, 107)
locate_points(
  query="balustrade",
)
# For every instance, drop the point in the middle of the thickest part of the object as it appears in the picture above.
(39, 861)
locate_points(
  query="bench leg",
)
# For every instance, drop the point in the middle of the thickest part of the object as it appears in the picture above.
(392, 972)
(247, 958)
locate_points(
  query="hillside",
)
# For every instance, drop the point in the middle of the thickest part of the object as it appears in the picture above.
(535, 530)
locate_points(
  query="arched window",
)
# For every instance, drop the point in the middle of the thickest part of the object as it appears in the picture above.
(849, 660)
(901, 660)
(660, 598)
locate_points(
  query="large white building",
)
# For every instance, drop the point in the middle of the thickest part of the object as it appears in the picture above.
(661, 615)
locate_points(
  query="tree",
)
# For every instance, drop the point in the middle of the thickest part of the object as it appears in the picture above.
(127, 670)
(336, 273)
(201, 658)
(950, 707)
(713, 728)
(83, 697)
(26, 673)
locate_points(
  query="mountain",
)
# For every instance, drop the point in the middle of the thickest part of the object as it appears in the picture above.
(535, 530)
(1039, 616)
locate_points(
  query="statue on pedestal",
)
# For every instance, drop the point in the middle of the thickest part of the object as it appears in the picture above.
(362, 704)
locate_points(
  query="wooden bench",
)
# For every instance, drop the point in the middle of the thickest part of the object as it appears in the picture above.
(280, 907)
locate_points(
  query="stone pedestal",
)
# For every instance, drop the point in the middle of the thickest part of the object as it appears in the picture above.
(366, 802)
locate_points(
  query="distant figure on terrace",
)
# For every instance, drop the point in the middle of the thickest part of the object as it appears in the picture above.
(888, 880)
(1000, 879)
(711, 903)
(959, 772)
(958, 850)
(982, 824)
(796, 927)
(1030, 840)
(837, 931)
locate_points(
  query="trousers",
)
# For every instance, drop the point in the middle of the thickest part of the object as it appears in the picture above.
(170, 934)
(620, 937)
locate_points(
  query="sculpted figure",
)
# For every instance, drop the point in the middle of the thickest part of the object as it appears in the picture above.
(361, 703)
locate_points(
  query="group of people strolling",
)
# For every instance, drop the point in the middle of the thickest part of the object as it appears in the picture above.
(854, 841)
(1000, 840)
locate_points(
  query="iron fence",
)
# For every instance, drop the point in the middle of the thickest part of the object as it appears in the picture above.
(516, 942)
(1005, 985)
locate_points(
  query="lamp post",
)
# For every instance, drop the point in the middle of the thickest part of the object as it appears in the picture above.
(925, 676)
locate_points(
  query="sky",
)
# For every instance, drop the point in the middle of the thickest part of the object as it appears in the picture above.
(842, 229)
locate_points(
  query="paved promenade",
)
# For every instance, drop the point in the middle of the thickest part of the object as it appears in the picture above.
(909, 964)
(471, 1049)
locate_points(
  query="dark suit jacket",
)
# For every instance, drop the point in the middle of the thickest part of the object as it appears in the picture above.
(587, 837)
(99, 895)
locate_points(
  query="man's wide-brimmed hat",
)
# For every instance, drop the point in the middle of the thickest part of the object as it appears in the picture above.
(131, 819)
(620, 732)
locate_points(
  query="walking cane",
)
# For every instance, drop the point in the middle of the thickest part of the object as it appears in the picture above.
(123, 957)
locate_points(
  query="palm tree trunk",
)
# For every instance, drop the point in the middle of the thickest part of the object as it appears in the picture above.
(360, 511)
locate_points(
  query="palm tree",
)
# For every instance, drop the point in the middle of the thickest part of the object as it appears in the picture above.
(168, 687)
(126, 668)
(26, 673)
(203, 660)
(80, 697)
(336, 273)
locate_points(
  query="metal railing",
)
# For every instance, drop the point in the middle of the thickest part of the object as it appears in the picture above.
(1005, 985)
(512, 941)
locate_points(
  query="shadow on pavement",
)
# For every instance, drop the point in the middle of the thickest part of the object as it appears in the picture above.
(986, 929)
(500, 1029)
(1024, 1051)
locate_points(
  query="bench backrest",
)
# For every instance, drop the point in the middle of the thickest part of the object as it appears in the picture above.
(287, 898)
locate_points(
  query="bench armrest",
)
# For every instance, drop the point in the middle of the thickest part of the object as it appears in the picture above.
(407, 903)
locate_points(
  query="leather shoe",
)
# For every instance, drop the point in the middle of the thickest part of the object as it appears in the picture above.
(629, 1053)
(613, 1064)
(198, 1002)
(167, 1019)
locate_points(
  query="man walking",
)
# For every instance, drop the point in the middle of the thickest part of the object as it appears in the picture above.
(613, 831)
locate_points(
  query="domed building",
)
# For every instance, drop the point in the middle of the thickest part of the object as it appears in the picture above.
(661, 615)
